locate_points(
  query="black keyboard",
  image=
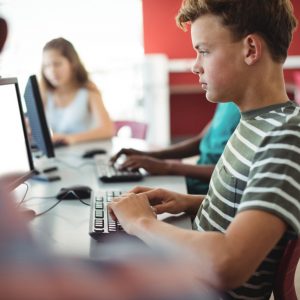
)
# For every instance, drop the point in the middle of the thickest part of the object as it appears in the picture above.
(107, 172)
(101, 224)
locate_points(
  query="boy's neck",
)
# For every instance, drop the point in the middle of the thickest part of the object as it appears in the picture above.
(264, 87)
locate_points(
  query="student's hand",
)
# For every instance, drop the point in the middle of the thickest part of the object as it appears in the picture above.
(168, 201)
(152, 165)
(163, 201)
(127, 152)
(129, 209)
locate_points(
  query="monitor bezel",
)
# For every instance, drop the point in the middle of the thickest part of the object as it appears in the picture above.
(32, 80)
(14, 180)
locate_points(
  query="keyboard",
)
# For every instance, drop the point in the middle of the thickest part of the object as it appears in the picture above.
(101, 224)
(107, 172)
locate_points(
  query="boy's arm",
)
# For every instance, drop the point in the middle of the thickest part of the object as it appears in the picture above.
(224, 260)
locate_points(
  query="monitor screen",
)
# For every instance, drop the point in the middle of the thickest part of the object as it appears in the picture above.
(14, 151)
(37, 119)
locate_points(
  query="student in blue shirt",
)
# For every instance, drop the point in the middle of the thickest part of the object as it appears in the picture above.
(209, 144)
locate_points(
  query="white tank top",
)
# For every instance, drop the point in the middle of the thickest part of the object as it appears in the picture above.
(73, 118)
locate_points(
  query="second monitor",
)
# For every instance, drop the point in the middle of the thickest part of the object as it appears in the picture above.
(40, 132)
(37, 119)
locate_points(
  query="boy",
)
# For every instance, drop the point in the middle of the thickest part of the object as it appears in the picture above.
(209, 144)
(252, 207)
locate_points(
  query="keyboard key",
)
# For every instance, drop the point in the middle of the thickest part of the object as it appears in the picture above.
(101, 223)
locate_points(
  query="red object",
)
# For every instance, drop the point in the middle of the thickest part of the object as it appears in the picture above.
(284, 287)
(138, 129)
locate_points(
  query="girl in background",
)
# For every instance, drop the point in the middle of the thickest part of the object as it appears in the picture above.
(73, 104)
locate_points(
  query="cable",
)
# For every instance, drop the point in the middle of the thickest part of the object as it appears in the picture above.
(77, 198)
(54, 197)
(48, 209)
(84, 202)
(31, 198)
(22, 200)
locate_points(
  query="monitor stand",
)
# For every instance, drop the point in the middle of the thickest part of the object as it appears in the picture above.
(45, 170)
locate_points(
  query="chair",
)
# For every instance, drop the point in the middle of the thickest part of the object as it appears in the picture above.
(284, 287)
(138, 130)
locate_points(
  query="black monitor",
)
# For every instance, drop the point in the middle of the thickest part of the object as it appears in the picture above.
(40, 134)
(15, 149)
(37, 119)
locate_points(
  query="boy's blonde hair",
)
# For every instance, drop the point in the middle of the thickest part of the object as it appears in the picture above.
(273, 20)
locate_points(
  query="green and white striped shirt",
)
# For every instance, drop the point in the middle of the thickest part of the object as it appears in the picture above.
(259, 170)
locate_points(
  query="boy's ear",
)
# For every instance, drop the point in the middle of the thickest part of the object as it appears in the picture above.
(3, 32)
(252, 49)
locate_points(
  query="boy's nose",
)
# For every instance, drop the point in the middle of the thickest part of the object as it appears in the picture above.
(197, 68)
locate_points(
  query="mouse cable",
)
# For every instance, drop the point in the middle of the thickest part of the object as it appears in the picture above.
(54, 197)
(25, 193)
(51, 207)
(48, 209)
(54, 205)
(83, 202)
(32, 198)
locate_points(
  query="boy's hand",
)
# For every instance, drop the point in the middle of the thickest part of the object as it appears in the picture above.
(165, 201)
(171, 202)
(129, 209)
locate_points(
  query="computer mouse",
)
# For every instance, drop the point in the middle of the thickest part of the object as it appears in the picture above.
(90, 153)
(74, 192)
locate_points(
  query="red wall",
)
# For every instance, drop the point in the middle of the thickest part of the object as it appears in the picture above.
(161, 35)
(189, 112)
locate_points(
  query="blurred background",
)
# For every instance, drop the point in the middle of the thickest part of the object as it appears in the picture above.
(134, 51)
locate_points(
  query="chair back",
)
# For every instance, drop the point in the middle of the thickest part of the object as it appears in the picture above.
(284, 286)
(138, 130)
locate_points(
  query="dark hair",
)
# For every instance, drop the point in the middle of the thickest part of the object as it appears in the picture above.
(67, 50)
(273, 20)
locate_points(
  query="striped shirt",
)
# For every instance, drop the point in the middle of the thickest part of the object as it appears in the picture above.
(259, 170)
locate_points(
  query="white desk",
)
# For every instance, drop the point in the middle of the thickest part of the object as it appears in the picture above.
(64, 229)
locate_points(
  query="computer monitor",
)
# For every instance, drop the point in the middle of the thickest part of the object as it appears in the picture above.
(37, 119)
(39, 130)
(16, 162)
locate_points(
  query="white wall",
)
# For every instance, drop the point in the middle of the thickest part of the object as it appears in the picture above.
(107, 38)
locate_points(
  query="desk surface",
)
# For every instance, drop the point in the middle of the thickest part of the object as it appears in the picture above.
(64, 229)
